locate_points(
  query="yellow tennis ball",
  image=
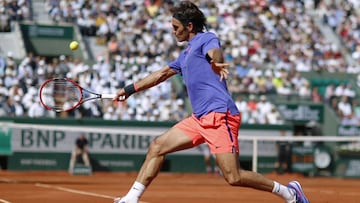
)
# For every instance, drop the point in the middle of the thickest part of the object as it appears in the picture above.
(74, 45)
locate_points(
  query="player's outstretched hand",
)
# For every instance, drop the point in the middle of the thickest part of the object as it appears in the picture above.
(220, 69)
(121, 95)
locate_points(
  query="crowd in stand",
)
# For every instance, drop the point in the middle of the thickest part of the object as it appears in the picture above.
(267, 44)
(13, 10)
(344, 18)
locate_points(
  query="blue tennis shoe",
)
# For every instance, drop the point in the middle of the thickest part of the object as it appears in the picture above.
(300, 196)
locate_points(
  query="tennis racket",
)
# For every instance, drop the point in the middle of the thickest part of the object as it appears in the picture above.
(63, 94)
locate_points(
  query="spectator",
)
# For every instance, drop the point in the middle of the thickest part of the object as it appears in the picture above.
(19, 109)
(274, 117)
(349, 120)
(251, 103)
(339, 90)
(110, 114)
(315, 95)
(304, 90)
(298, 81)
(180, 112)
(349, 92)
(35, 109)
(240, 103)
(9, 106)
(16, 90)
(344, 107)
(264, 106)
(4, 20)
(3, 90)
(113, 46)
(329, 93)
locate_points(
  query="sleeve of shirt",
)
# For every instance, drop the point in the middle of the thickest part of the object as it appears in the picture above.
(175, 65)
(211, 42)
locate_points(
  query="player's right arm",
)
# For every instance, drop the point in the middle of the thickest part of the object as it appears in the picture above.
(149, 81)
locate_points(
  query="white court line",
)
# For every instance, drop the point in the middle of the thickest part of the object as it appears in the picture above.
(6, 180)
(76, 191)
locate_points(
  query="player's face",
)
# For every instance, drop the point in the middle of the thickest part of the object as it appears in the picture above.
(181, 33)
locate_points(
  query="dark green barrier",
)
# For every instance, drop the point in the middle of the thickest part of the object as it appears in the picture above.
(21, 161)
(5, 141)
(348, 165)
(49, 40)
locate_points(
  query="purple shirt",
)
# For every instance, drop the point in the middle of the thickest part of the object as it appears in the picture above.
(206, 92)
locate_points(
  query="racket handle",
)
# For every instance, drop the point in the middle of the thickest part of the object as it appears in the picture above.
(107, 96)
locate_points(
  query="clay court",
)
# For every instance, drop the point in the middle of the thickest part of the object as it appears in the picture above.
(60, 187)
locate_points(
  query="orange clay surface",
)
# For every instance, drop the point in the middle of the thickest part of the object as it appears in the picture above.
(60, 187)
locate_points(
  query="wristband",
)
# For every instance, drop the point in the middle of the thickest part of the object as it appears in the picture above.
(208, 58)
(130, 89)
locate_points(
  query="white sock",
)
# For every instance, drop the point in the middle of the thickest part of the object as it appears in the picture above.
(283, 191)
(136, 191)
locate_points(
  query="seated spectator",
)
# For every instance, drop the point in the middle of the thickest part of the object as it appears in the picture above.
(103, 30)
(241, 103)
(86, 24)
(19, 108)
(3, 90)
(304, 90)
(329, 93)
(344, 107)
(252, 103)
(315, 95)
(35, 109)
(264, 106)
(298, 81)
(339, 90)
(274, 117)
(9, 106)
(349, 120)
(4, 20)
(349, 92)
(113, 47)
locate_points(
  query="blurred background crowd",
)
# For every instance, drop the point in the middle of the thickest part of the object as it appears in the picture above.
(268, 44)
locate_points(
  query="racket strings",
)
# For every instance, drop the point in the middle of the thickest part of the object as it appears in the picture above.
(62, 95)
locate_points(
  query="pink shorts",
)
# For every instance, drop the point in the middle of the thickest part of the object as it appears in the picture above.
(219, 130)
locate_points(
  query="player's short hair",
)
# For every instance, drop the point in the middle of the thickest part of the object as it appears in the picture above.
(186, 12)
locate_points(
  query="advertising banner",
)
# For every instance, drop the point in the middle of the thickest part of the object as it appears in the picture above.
(302, 112)
(122, 151)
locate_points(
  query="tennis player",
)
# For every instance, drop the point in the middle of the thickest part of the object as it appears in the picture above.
(215, 119)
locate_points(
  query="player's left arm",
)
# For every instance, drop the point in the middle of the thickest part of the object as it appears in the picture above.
(216, 59)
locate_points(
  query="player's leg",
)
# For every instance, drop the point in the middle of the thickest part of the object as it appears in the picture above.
(235, 176)
(176, 139)
(171, 141)
(223, 141)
